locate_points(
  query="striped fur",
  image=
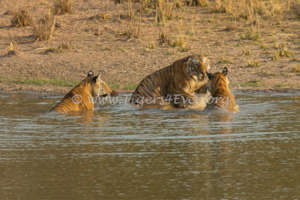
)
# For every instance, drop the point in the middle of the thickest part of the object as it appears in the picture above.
(80, 98)
(181, 78)
(218, 85)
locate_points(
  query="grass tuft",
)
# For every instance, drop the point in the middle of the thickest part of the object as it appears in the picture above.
(164, 11)
(282, 51)
(40, 82)
(178, 42)
(296, 69)
(250, 35)
(62, 7)
(252, 83)
(44, 29)
(253, 63)
(21, 18)
(12, 49)
(246, 52)
(163, 38)
(224, 60)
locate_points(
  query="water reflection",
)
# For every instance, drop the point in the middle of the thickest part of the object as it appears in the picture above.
(122, 152)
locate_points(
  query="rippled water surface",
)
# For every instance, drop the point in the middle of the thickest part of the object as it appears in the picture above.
(122, 152)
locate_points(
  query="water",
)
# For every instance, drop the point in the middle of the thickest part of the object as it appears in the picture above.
(122, 152)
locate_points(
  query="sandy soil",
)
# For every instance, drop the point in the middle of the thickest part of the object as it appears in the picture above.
(97, 33)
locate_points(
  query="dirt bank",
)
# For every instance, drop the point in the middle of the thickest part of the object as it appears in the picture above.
(100, 36)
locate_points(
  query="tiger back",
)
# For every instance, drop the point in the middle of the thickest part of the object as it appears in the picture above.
(179, 79)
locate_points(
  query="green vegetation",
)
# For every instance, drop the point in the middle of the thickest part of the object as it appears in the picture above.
(280, 85)
(118, 86)
(250, 35)
(253, 63)
(129, 86)
(246, 52)
(224, 60)
(282, 51)
(62, 83)
(252, 83)
(40, 82)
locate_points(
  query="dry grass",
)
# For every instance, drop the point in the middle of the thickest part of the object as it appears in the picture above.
(163, 38)
(246, 52)
(166, 29)
(251, 35)
(64, 45)
(249, 9)
(201, 3)
(12, 49)
(21, 18)
(298, 10)
(164, 11)
(134, 26)
(253, 63)
(151, 45)
(179, 41)
(224, 60)
(100, 17)
(44, 29)
(296, 69)
(282, 51)
(62, 7)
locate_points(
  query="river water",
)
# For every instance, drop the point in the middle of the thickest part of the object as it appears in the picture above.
(123, 152)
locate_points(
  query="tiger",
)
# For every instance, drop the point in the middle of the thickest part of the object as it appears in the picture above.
(80, 98)
(173, 85)
(218, 85)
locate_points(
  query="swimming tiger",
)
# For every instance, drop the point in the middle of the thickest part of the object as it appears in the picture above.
(80, 98)
(218, 85)
(174, 84)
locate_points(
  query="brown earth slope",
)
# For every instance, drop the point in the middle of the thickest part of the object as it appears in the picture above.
(261, 52)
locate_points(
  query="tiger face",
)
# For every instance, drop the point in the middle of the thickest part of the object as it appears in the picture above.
(217, 80)
(197, 67)
(98, 86)
(180, 79)
(218, 85)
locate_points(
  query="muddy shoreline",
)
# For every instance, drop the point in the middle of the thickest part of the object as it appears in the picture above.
(58, 91)
(265, 58)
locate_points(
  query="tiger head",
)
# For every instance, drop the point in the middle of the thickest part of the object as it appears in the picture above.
(218, 85)
(98, 86)
(194, 71)
(218, 81)
(197, 67)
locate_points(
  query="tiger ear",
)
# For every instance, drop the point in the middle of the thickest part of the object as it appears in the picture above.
(90, 73)
(96, 78)
(225, 71)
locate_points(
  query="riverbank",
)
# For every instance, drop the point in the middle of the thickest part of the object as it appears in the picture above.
(262, 53)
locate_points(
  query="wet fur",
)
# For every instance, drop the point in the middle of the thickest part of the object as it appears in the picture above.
(218, 85)
(176, 79)
(84, 91)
